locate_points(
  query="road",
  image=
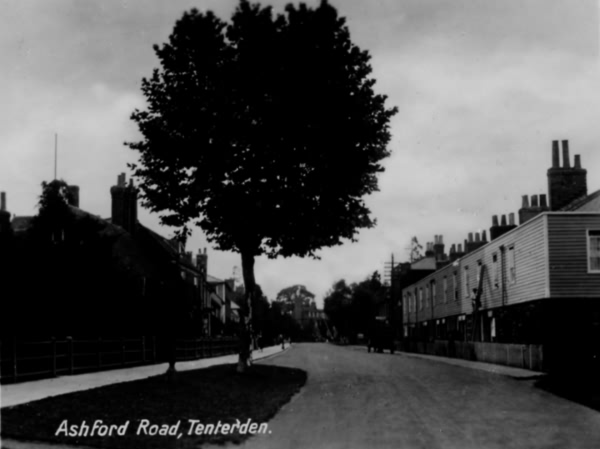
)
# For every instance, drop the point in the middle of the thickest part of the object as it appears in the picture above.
(355, 399)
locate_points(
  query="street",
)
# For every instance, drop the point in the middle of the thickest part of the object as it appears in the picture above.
(355, 399)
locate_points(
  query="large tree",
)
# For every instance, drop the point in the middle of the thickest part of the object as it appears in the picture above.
(264, 131)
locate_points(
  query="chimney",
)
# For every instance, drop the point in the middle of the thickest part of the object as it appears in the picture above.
(534, 201)
(527, 212)
(525, 201)
(555, 151)
(124, 204)
(484, 236)
(566, 183)
(477, 237)
(566, 159)
(429, 249)
(438, 248)
(496, 231)
(202, 262)
(4, 215)
(74, 196)
(460, 251)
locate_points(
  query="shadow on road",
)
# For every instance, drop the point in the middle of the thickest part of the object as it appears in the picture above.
(583, 390)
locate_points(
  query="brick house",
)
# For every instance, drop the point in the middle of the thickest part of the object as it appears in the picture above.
(120, 271)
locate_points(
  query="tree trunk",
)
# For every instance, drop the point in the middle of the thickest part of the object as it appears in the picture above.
(170, 374)
(246, 311)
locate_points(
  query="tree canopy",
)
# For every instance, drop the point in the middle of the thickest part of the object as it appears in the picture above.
(264, 131)
(351, 308)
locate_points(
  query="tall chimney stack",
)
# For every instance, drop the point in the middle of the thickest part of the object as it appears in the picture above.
(555, 152)
(566, 183)
(4, 214)
(565, 151)
(525, 201)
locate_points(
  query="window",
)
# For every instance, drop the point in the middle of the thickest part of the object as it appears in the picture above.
(421, 298)
(467, 284)
(594, 251)
(495, 277)
(427, 296)
(512, 272)
(433, 292)
(445, 288)
(455, 285)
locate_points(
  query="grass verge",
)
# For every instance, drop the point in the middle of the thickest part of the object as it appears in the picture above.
(210, 396)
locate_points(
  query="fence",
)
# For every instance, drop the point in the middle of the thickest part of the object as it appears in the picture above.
(517, 355)
(26, 358)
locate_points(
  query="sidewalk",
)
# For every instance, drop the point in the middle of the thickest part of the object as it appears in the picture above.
(517, 373)
(19, 393)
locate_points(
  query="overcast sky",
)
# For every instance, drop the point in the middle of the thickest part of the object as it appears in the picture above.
(482, 87)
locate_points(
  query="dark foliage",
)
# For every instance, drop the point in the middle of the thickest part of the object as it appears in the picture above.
(352, 308)
(248, 125)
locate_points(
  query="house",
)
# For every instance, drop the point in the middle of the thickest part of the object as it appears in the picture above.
(118, 270)
(224, 306)
(537, 283)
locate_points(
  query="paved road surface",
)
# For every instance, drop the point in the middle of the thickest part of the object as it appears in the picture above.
(355, 399)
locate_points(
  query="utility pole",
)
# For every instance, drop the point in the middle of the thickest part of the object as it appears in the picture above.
(55, 154)
(389, 278)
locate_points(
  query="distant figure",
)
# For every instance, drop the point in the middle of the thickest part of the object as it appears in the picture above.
(282, 341)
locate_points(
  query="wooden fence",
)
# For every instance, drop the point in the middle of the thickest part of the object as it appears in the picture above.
(517, 355)
(27, 358)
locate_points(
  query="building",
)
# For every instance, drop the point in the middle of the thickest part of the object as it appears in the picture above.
(537, 283)
(119, 270)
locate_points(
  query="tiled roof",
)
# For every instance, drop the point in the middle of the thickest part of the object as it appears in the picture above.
(587, 203)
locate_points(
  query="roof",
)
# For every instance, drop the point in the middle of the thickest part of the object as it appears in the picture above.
(586, 203)
(213, 280)
(21, 223)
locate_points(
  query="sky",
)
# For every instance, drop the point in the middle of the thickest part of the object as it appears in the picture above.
(482, 88)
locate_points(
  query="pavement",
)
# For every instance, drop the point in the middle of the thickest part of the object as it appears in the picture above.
(510, 371)
(516, 373)
(23, 392)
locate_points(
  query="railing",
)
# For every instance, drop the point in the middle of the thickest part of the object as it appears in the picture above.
(27, 358)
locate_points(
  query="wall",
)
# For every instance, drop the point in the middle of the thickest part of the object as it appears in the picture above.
(567, 244)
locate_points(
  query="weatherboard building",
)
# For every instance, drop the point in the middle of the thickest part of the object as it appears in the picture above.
(530, 296)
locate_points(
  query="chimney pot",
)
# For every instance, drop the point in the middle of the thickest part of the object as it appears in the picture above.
(565, 149)
(484, 236)
(555, 160)
(525, 201)
(452, 249)
(577, 161)
(511, 219)
(534, 201)
(441, 239)
(477, 237)
(494, 220)
(470, 237)
(503, 221)
(459, 248)
(543, 201)
(3, 201)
